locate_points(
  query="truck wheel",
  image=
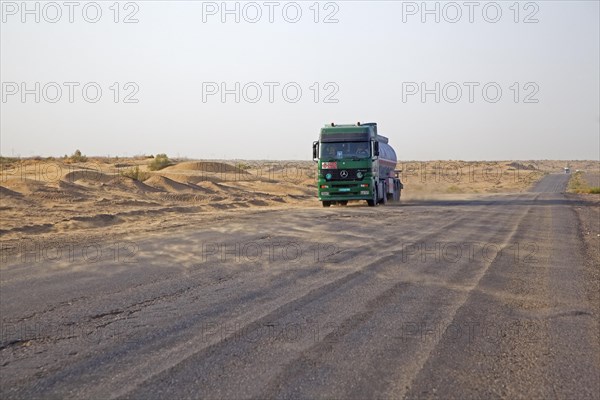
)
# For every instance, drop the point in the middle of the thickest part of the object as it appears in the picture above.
(326, 203)
(343, 202)
(373, 201)
(384, 199)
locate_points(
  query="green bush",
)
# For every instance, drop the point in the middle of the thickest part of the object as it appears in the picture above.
(135, 173)
(78, 157)
(242, 165)
(160, 161)
(454, 189)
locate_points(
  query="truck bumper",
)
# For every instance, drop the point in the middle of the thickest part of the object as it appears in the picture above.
(346, 191)
(340, 198)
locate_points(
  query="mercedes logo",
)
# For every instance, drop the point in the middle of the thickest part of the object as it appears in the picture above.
(344, 173)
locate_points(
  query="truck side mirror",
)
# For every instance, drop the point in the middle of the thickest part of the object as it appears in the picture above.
(376, 149)
(315, 150)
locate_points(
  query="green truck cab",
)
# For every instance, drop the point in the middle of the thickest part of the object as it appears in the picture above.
(355, 163)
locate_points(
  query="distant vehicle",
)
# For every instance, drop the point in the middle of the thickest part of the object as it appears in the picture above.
(567, 170)
(355, 163)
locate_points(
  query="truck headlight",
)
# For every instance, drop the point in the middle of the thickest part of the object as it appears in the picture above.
(364, 192)
(324, 193)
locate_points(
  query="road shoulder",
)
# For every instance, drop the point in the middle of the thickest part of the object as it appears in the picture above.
(587, 209)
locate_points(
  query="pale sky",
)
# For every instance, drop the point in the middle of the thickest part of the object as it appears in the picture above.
(369, 61)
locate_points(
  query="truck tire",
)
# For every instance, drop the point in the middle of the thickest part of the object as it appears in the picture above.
(395, 197)
(326, 203)
(373, 201)
(343, 202)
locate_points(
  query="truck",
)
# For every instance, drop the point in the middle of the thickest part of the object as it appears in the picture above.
(354, 162)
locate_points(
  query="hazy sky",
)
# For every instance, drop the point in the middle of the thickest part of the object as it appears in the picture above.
(374, 61)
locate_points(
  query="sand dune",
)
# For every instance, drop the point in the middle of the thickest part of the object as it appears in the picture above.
(25, 185)
(206, 166)
(83, 177)
(126, 184)
(167, 185)
(9, 193)
(200, 183)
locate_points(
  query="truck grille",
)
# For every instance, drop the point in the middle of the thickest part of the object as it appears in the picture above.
(343, 174)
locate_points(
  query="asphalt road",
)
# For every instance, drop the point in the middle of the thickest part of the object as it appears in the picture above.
(474, 298)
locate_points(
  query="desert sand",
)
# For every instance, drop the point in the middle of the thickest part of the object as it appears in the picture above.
(120, 195)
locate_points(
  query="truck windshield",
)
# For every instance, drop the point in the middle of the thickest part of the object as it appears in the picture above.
(352, 150)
